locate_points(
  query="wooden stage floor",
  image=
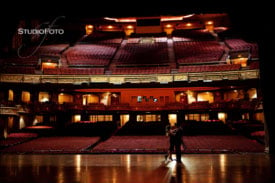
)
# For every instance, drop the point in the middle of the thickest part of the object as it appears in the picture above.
(137, 168)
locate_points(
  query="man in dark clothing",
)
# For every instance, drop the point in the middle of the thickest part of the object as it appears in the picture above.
(178, 142)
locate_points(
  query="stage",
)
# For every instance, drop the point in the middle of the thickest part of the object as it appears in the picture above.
(136, 168)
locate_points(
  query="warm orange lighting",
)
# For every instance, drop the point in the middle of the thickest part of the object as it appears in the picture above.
(127, 20)
(188, 24)
(209, 25)
(240, 60)
(130, 27)
(168, 28)
(110, 27)
(49, 65)
(89, 29)
(209, 22)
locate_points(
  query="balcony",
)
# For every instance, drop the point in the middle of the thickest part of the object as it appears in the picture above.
(243, 105)
(145, 78)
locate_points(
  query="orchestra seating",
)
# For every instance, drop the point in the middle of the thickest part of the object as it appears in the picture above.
(247, 127)
(259, 136)
(133, 144)
(16, 138)
(53, 145)
(221, 144)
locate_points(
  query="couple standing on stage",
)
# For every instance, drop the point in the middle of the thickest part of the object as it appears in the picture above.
(175, 134)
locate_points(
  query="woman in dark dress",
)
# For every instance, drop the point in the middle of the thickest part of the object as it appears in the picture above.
(175, 134)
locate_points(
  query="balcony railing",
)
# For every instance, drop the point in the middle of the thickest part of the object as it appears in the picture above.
(120, 79)
(72, 107)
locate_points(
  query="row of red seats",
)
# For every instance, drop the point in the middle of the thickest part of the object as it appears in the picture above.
(221, 143)
(53, 50)
(185, 48)
(31, 55)
(127, 70)
(237, 44)
(54, 144)
(209, 68)
(141, 70)
(28, 60)
(152, 53)
(91, 49)
(198, 34)
(18, 70)
(198, 51)
(114, 41)
(201, 58)
(134, 144)
(90, 54)
(241, 45)
(74, 71)
(86, 61)
(16, 138)
(254, 65)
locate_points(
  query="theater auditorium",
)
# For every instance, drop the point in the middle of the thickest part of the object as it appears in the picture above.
(89, 99)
